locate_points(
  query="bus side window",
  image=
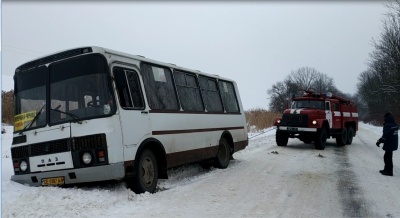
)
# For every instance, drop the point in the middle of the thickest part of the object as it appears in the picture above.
(228, 96)
(122, 88)
(209, 90)
(134, 87)
(128, 88)
(188, 91)
(159, 87)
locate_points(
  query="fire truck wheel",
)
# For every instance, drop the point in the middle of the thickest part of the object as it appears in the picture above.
(341, 139)
(350, 136)
(281, 139)
(146, 173)
(320, 140)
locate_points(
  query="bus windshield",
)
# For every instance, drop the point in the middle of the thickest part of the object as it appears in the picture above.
(308, 104)
(30, 98)
(79, 89)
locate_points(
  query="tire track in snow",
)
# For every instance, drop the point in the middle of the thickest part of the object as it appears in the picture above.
(352, 199)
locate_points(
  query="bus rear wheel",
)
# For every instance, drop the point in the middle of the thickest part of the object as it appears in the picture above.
(223, 156)
(146, 173)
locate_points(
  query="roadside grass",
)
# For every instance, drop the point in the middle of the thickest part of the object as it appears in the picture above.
(259, 119)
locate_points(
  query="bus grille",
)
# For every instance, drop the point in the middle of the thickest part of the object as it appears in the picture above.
(49, 147)
(90, 142)
(62, 145)
(19, 152)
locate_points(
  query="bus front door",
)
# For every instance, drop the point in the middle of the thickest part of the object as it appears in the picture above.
(134, 118)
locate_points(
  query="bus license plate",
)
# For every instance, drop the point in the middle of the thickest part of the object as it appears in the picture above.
(53, 181)
(292, 128)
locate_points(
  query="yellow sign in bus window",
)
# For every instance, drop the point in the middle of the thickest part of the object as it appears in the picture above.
(21, 119)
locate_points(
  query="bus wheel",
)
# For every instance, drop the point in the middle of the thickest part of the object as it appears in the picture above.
(350, 135)
(341, 139)
(146, 176)
(222, 159)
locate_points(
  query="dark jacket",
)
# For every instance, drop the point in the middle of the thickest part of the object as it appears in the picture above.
(390, 131)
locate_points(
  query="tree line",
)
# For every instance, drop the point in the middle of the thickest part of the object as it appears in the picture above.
(7, 107)
(378, 87)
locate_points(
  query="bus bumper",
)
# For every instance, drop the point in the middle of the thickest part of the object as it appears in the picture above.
(73, 176)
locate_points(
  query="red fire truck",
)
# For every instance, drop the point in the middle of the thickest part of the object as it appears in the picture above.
(314, 118)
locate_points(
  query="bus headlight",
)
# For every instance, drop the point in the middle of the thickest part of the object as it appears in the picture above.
(87, 158)
(23, 166)
(314, 122)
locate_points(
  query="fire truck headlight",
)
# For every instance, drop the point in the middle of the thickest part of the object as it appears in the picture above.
(87, 158)
(278, 121)
(314, 122)
(23, 166)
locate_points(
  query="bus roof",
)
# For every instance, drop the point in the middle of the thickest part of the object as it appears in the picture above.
(65, 54)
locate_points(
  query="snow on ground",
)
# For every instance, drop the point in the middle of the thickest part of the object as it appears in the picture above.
(263, 181)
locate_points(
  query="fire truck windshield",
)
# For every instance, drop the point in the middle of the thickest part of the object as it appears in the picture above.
(308, 104)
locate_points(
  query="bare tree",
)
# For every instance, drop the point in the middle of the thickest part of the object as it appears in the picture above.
(281, 94)
(304, 77)
(7, 107)
(296, 83)
(308, 77)
(379, 86)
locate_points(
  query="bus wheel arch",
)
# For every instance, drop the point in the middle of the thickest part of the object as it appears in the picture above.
(149, 166)
(159, 152)
(228, 137)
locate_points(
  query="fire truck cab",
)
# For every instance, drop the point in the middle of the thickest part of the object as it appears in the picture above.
(314, 118)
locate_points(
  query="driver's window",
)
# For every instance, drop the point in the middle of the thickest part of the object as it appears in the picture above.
(128, 88)
(327, 106)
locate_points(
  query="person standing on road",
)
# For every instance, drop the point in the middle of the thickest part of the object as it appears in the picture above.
(390, 143)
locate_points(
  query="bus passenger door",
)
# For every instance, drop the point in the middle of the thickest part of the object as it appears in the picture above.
(135, 120)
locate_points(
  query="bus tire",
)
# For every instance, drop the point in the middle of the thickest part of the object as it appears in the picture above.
(223, 156)
(146, 173)
(350, 135)
(341, 139)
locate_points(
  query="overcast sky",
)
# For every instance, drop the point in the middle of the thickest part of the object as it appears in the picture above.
(257, 43)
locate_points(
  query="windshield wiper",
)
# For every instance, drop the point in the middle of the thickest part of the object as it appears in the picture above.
(33, 120)
(73, 116)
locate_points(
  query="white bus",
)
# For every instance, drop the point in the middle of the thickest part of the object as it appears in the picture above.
(93, 114)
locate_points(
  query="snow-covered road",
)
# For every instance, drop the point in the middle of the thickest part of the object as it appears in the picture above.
(263, 181)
